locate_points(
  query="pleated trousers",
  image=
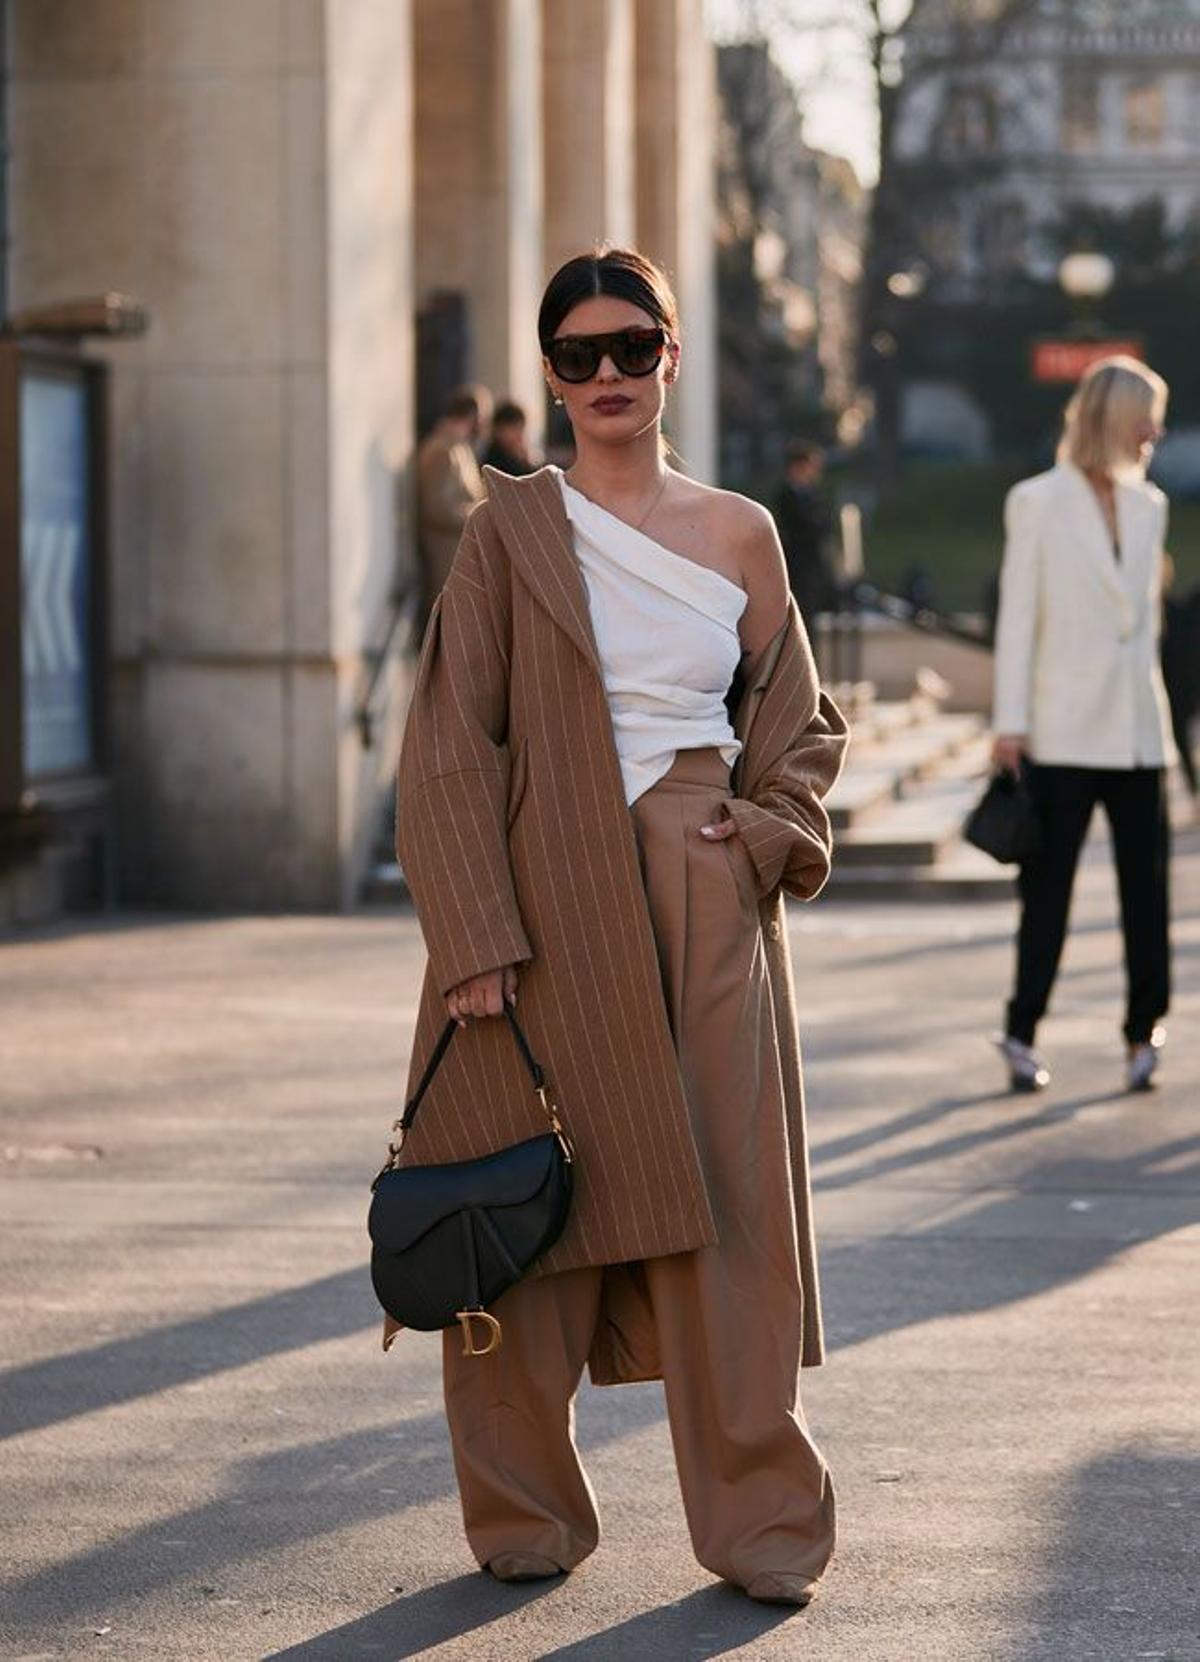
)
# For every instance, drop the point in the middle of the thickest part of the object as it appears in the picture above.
(720, 1326)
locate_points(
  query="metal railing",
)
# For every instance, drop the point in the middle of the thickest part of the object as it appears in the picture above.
(844, 625)
(398, 634)
(869, 597)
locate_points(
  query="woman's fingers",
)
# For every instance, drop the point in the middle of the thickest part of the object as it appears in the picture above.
(483, 995)
(722, 828)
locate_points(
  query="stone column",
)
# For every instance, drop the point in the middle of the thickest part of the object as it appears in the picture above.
(245, 170)
(588, 101)
(676, 128)
(479, 179)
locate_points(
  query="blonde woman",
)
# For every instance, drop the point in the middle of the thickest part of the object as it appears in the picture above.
(1079, 699)
(611, 775)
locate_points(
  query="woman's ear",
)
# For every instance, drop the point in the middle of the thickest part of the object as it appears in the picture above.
(672, 370)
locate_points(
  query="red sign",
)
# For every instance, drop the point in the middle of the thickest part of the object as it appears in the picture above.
(1066, 360)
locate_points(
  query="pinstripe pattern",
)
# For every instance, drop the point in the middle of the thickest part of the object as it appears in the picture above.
(514, 835)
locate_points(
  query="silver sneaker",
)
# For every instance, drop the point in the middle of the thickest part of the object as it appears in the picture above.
(1026, 1070)
(1143, 1061)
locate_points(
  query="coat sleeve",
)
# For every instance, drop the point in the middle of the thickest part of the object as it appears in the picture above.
(453, 779)
(783, 822)
(1016, 621)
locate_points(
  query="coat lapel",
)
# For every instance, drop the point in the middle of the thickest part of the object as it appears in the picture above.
(1088, 518)
(1134, 529)
(532, 520)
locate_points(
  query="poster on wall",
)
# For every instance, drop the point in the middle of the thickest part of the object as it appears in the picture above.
(55, 573)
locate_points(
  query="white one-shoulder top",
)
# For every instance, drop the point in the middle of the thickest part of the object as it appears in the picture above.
(666, 632)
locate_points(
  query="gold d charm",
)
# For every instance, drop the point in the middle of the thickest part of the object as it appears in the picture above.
(466, 1317)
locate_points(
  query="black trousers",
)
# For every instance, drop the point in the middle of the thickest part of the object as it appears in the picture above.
(1135, 800)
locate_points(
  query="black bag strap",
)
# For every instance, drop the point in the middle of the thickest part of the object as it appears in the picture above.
(401, 1126)
(406, 1119)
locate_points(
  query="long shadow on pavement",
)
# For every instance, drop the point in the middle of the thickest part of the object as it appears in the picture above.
(419, 1622)
(883, 1284)
(122, 1370)
(710, 1622)
(299, 1493)
(1007, 1130)
(1120, 1575)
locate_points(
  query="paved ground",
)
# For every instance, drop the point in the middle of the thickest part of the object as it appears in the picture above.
(206, 1457)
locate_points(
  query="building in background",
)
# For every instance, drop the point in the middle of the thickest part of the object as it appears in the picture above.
(1006, 129)
(1025, 129)
(330, 209)
(790, 228)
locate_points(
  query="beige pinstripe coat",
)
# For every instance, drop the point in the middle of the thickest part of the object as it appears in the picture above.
(518, 846)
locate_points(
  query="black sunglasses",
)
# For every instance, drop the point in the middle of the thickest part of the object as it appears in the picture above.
(576, 358)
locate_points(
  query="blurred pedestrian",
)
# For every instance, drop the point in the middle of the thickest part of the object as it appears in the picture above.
(508, 448)
(449, 485)
(1181, 668)
(1080, 706)
(919, 588)
(805, 526)
(580, 820)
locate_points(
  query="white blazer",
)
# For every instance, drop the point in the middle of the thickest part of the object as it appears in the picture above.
(1077, 668)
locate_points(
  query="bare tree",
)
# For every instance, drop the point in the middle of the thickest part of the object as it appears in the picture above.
(875, 33)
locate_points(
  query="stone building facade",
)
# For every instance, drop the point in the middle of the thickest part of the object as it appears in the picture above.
(284, 184)
(1012, 113)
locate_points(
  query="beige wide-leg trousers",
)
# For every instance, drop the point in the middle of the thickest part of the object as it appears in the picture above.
(723, 1324)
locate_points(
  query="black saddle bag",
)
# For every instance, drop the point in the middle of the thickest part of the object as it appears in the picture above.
(447, 1240)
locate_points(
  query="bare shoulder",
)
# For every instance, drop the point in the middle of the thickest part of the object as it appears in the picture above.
(742, 525)
(746, 531)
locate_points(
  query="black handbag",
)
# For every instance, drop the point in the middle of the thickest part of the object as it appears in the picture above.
(447, 1240)
(1004, 822)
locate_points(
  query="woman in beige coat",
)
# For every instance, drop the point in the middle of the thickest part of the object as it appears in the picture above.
(611, 775)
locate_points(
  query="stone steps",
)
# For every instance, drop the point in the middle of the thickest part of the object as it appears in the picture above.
(908, 844)
(879, 770)
(915, 849)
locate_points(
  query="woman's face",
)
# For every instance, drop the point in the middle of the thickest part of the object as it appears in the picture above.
(1147, 431)
(612, 408)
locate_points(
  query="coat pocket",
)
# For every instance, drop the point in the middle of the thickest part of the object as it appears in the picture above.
(741, 867)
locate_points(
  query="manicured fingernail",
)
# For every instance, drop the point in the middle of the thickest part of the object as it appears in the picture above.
(707, 831)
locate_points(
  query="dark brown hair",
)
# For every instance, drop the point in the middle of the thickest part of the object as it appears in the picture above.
(622, 273)
(466, 401)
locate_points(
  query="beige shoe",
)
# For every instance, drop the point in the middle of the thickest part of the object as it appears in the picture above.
(776, 1588)
(522, 1566)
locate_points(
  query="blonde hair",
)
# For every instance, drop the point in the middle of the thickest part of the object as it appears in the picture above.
(1105, 409)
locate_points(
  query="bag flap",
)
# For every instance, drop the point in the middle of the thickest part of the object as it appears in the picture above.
(412, 1199)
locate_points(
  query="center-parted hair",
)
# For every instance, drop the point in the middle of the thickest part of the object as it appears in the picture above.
(622, 274)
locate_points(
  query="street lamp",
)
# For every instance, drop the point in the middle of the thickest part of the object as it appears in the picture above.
(1086, 277)
(908, 285)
